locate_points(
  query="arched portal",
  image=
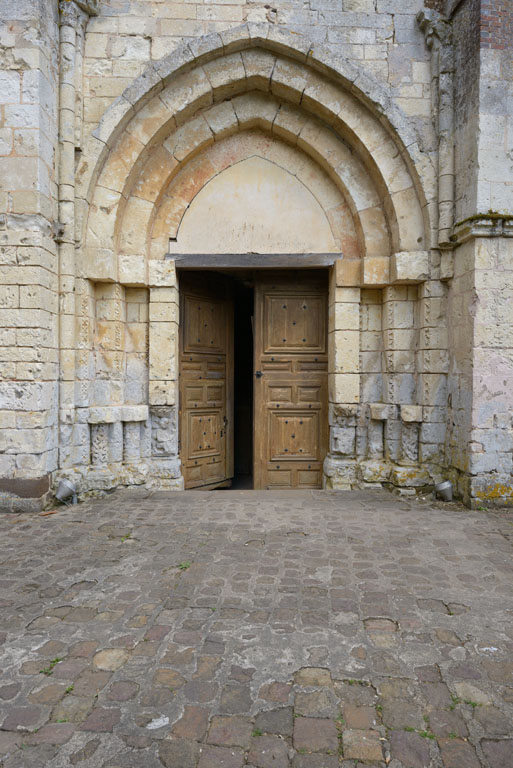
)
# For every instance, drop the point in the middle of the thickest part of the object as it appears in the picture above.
(251, 145)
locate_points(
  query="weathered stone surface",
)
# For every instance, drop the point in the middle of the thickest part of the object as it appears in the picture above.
(315, 734)
(110, 659)
(101, 720)
(183, 753)
(362, 745)
(230, 731)
(315, 550)
(456, 753)
(269, 752)
(409, 748)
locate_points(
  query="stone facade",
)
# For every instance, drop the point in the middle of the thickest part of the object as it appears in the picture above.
(126, 124)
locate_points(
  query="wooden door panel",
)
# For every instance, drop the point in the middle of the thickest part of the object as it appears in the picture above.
(291, 420)
(293, 435)
(206, 382)
(205, 325)
(294, 324)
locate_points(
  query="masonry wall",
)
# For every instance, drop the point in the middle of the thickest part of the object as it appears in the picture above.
(480, 434)
(420, 337)
(382, 36)
(28, 251)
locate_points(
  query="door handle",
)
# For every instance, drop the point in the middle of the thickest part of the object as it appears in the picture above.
(258, 374)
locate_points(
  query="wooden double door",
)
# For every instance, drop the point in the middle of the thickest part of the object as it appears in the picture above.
(290, 418)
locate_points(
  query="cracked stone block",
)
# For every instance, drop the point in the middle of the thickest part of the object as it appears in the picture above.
(456, 753)
(498, 753)
(278, 721)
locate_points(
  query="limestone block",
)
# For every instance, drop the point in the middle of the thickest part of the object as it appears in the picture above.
(398, 314)
(187, 93)
(164, 312)
(411, 413)
(259, 65)
(409, 217)
(162, 392)
(8, 420)
(400, 361)
(151, 121)
(113, 121)
(234, 39)
(342, 440)
(132, 270)
(99, 264)
(255, 109)
(342, 415)
(162, 273)
(103, 415)
(289, 80)
(225, 75)
(344, 387)
(164, 295)
(188, 139)
(164, 422)
(412, 267)
(410, 477)
(163, 350)
(36, 464)
(374, 471)
(400, 338)
(344, 351)
(344, 316)
(447, 265)
(131, 441)
(371, 361)
(221, 119)
(375, 270)
(339, 473)
(433, 338)
(433, 433)
(134, 232)
(145, 86)
(410, 443)
(433, 389)
(134, 413)
(400, 388)
(347, 272)
(289, 122)
(145, 438)
(433, 361)
(380, 411)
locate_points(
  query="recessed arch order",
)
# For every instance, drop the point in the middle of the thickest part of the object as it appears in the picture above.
(153, 150)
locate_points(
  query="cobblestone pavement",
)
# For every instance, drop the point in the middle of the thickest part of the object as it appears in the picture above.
(273, 630)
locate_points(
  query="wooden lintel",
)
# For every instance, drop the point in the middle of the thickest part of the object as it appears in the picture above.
(253, 260)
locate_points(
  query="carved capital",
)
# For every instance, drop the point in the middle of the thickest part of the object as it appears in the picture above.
(436, 30)
(68, 10)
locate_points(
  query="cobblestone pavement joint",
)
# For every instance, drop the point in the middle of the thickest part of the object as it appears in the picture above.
(273, 630)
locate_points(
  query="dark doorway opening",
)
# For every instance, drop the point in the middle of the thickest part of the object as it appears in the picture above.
(243, 382)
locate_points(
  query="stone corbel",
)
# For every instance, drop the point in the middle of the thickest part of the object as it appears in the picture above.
(409, 267)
